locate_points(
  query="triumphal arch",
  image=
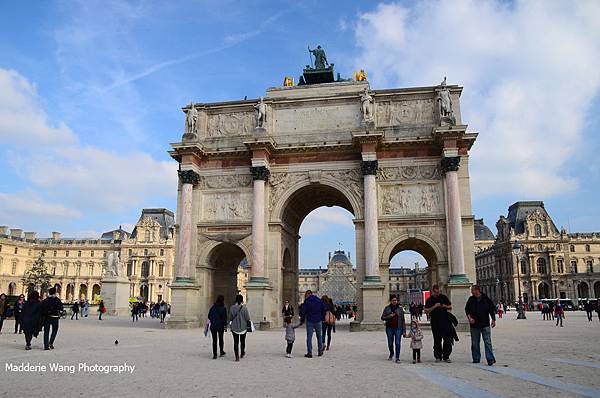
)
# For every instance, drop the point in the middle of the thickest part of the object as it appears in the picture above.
(252, 170)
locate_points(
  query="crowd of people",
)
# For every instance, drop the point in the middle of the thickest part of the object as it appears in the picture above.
(156, 310)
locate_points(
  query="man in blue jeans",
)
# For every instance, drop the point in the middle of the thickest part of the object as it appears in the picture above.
(479, 310)
(313, 312)
(395, 325)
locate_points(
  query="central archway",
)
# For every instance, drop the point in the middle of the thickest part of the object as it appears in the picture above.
(224, 261)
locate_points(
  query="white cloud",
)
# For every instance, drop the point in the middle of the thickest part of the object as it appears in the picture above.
(325, 218)
(21, 208)
(82, 177)
(529, 69)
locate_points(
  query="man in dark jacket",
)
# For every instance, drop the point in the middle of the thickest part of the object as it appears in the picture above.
(51, 310)
(313, 312)
(479, 309)
(437, 307)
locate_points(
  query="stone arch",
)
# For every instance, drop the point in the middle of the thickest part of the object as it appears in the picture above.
(222, 262)
(12, 289)
(83, 290)
(290, 278)
(96, 291)
(350, 201)
(543, 291)
(583, 290)
(597, 289)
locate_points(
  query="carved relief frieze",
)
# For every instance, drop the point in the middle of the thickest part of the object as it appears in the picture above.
(226, 206)
(406, 200)
(225, 181)
(407, 173)
(419, 111)
(230, 124)
(353, 179)
(279, 182)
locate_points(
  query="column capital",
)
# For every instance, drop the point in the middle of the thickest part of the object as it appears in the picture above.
(369, 167)
(450, 163)
(189, 177)
(260, 173)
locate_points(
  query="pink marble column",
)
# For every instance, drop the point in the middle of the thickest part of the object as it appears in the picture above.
(369, 168)
(260, 174)
(188, 178)
(454, 220)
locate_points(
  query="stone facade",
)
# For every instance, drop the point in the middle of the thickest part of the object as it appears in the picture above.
(552, 263)
(79, 265)
(245, 189)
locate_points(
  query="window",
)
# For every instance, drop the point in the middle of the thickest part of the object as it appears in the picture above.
(66, 269)
(129, 268)
(147, 236)
(162, 252)
(78, 270)
(54, 253)
(92, 253)
(560, 265)
(29, 252)
(145, 252)
(67, 253)
(540, 248)
(574, 266)
(79, 253)
(14, 268)
(0, 248)
(538, 230)
(91, 269)
(53, 269)
(587, 248)
(572, 248)
(130, 252)
(104, 254)
(541, 266)
(523, 266)
(558, 247)
(145, 269)
(16, 250)
(590, 266)
(161, 270)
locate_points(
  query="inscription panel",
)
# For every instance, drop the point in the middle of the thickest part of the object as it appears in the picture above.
(308, 119)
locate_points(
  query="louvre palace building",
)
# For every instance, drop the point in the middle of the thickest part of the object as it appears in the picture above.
(552, 263)
(77, 265)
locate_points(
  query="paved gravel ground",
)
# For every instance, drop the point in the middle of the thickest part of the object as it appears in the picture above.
(545, 360)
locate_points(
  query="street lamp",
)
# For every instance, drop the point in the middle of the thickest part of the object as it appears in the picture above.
(517, 250)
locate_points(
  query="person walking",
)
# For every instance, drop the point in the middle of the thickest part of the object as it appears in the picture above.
(3, 309)
(499, 310)
(52, 307)
(163, 311)
(416, 340)
(240, 323)
(17, 313)
(290, 336)
(31, 317)
(479, 310)
(85, 310)
(313, 313)
(287, 311)
(437, 307)
(559, 313)
(395, 326)
(217, 315)
(328, 320)
(75, 309)
(589, 310)
(101, 309)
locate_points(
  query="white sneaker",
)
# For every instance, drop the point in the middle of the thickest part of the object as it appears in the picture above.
(288, 355)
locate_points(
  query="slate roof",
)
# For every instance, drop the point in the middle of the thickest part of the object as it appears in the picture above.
(482, 232)
(339, 256)
(164, 217)
(518, 212)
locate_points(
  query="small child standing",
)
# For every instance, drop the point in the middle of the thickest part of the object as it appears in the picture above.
(416, 340)
(290, 336)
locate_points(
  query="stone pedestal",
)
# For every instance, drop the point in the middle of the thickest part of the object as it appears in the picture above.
(184, 311)
(459, 293)
(373, 302)
(115, 293)
(258, 293)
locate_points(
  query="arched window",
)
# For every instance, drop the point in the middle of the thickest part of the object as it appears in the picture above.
(162, 252)
(590, 266)
(145, 269)
(54, 253)
(572, 248)
(574, 266)
(67, 253)
(538, 230)
(541, 266)
(79, 253)
(145, 252)
(92, 253)
(587, 248)
(147, 235)
(16, 250)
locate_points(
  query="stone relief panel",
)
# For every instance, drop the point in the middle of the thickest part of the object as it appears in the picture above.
(225, 181)
(230, 124)
(407, 200)
(226, 206)
(353, 179)
(333, 117)
(405, 112)
(399, 173)
(279, 182)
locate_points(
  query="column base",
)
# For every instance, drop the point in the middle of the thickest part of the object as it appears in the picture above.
(258, 293)
(358, 326)
(372, 279)
(184, 305)
(373, 303)
(258, 281)
(459, 293)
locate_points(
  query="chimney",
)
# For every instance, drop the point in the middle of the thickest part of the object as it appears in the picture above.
(329, 256)
(16, 233)
(55, 235)
(3, 229)
(30, 235)
(349, 258)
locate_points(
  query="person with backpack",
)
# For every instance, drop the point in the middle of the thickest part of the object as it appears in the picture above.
(328, 321)
(240, 324)
(395, 325)
(217, 315)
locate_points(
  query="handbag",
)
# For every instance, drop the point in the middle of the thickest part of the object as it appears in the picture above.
(207, 328)
(250, 327)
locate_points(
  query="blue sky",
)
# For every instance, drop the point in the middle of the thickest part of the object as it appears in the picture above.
(91, 91)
